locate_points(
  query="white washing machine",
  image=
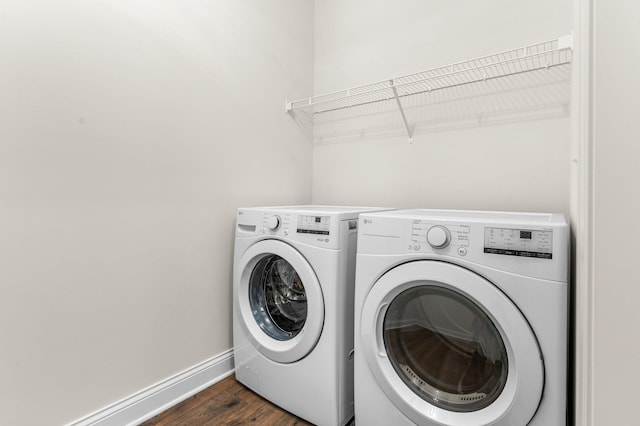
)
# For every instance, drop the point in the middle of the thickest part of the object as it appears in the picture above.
(461, 319)
(293, 285)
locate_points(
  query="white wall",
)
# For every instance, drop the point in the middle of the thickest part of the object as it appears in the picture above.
(130, 132)
(518, 164)
(616, 238)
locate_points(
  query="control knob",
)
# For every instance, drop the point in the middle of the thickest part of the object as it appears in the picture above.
(273, 222)
(438, 236)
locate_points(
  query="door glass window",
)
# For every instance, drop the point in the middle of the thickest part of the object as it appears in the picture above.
(445, 348)
(278, 298)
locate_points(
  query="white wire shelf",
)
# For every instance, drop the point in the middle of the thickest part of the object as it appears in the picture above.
(538, 56)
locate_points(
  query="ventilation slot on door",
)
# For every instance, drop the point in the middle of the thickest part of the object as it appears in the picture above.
(440, 394)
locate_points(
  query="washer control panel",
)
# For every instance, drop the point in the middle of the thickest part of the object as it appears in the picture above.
(328, 227)
(318, 225)
(519, 242)
(312, 229)
(273, 222)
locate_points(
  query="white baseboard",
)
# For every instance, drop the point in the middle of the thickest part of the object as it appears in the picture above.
(147, 403)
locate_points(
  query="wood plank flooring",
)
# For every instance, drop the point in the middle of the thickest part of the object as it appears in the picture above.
(225, 403)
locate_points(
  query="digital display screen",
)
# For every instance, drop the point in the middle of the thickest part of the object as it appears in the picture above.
(313, 225)
(519, 242)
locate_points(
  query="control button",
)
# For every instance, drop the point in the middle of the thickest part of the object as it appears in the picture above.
(416, 246)
(286, 232)
(438, 236)
(273, 222)
(462, 251)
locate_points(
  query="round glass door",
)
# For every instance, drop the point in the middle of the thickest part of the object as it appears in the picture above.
(445, 348)
(278, 301)
(278, 298)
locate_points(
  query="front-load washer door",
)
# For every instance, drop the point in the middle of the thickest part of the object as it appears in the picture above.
(449, 348)
(279, 300)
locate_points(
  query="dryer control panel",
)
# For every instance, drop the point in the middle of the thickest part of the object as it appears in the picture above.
(427, 233)
(535, 244)
(519, 242)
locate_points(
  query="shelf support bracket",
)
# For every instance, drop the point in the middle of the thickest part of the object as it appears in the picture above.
(404, 117)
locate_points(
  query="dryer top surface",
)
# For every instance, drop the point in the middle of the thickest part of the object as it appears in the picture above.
(524, 218)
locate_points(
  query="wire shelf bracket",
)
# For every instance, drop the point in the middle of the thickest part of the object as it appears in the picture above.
(534, 57)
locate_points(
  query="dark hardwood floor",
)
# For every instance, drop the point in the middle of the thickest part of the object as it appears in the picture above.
(225, 403)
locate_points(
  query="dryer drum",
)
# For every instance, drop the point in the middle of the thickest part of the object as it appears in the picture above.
(278, 298)
(445, 348)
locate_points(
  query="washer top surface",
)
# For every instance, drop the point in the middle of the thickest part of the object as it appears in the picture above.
(317, 209)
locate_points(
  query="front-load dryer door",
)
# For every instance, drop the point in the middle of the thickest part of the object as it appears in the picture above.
(279, 300)
(449, 348)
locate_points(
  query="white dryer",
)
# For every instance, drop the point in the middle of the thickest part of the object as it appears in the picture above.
(293, 284)
(461, 319)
